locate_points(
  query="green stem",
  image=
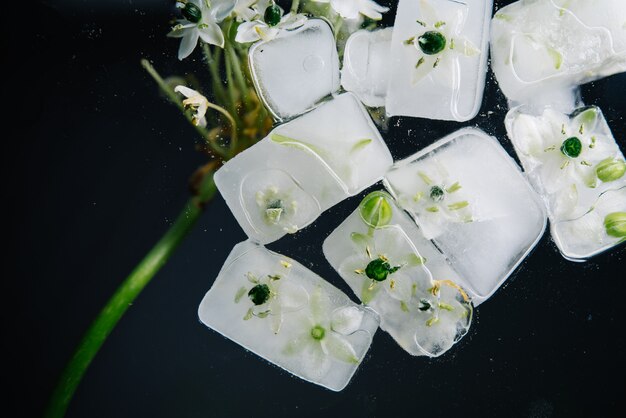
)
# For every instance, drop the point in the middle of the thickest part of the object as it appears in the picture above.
(294, 6)
(174, 98)
(213, 63)
(104, 323)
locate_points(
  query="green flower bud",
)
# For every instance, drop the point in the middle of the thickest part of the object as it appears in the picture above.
(191, 12)
(436, 194)
(432, 42)
(610, 169)
(572, 147)
(272, 15)
(259, 294)
(615, 224)
(318, 332)
(375, 209)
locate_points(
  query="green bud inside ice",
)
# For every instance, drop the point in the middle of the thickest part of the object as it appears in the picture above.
(318, 332)
(615, 224)
(436, 193)
(375, 209)
(572, 147)
(432, 42)
(610, 169)
(259, 294)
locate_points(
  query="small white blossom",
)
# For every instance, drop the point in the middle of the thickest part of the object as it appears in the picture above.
(258, 29)
(206, 28)
(438, 42)
(351, 9)
(196, 101)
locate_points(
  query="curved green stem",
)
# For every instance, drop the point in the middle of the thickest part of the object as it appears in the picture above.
(104, 323)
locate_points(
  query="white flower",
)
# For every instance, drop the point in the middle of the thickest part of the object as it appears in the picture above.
(350, 9)
(444, 313)
(272, 295)
(564, 151)
(278, 208)
(258, 29)
(383, 259)
(244, 11)
(437, 200)
(322, 335)
(196, 101)
(203, 26)
(437, 42)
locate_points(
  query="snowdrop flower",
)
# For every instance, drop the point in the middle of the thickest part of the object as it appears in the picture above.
(383, 259)
(322, 335)
(258, 29)
(201, 18)
(196, 101)
(567, 153)
(244, 10)
(271, 295)
(438, 42)
(438, 199)
(350, 9)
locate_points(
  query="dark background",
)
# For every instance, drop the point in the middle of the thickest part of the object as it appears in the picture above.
(96, 166)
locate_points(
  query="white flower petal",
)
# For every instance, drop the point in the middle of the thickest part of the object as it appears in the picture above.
(339, 348)
(346, 320)
(220, 9)
(186, 91)
(188, 44)
(292, 296)
(212, 34)
(346, 8)
(423, 66)
(292, 21)
(428, 13)
(372, 9)
(399, 285)
(588, 119)
(319, 304)
(246, 32)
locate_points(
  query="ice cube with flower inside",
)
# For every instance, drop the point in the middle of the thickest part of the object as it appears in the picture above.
(601, 228)
(438, 41)
(570, 159)
(373, 253)
(303, 167)
(280, 310)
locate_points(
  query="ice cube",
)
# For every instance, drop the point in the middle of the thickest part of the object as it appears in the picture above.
(297, 69)
(484, 217)
(571, 160)
(438, 58)
(540, 48)
(600, 229)
(366, 67)
(304, 167)
(393, 269)
(285, 313)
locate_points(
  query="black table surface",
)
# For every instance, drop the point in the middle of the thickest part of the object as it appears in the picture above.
(96, 170)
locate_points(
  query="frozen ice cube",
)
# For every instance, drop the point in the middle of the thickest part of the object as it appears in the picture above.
(571, 160)
(304, 167)
(601, 228)
(285, 313)
(438, 58)
(366, 67)
(393, 269)
(485, 218)
(540, 47)
(297, 69)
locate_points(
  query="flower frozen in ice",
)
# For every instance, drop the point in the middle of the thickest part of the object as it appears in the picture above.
(322, 335)
(268, 28)
(278, 208)
(270, 295)
(245, 10)
(351, 9)
(567, 153)
(201, 18)
(438, 41)
(383, 259)
(437, 200)
(444, 312)
(195, 101)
